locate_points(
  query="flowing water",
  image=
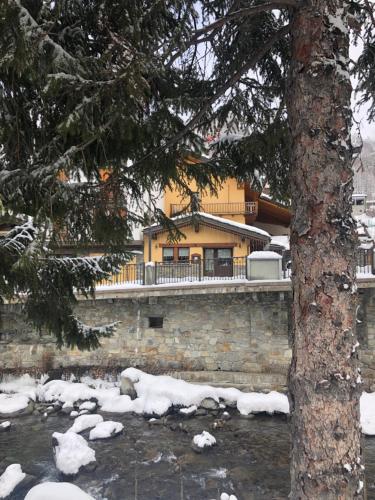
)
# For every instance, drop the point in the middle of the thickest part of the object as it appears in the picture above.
(155, 461)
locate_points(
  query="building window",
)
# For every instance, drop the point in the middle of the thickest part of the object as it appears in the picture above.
(183, 254)
(155, 322)
(168, 255)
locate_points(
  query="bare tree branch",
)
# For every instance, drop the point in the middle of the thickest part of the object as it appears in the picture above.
(193, 123)
(241, 13)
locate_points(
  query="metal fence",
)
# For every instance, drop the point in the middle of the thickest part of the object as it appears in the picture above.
(200, 270)
(217, 269)
(130, 274)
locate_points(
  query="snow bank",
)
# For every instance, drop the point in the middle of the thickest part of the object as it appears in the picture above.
(69, 392)
(255, 402)
(57, 491)
(84, 422)
(154, 393)
(105, 430)
(204, 440)
(72, 452)
(25, 385)
(11, 477)
(11, 403)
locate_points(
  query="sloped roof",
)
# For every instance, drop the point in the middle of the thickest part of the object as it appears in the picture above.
(214, 222)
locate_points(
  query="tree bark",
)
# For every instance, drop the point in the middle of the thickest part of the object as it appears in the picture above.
(324, 376)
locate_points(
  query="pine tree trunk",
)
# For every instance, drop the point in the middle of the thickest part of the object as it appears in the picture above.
(324, 377)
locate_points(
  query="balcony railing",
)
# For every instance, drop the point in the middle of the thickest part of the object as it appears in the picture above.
(240, 208)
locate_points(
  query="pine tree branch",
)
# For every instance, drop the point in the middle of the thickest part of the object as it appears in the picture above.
(26, 20)
(241, 13)
(193, 123)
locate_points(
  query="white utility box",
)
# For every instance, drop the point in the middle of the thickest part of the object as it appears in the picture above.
(264, 266)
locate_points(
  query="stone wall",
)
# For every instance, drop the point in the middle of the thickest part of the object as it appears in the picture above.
(231, 335)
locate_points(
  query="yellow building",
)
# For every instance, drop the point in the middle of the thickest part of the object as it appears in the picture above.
(231, 223)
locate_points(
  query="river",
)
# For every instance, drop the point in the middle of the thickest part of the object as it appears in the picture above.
(155, 461)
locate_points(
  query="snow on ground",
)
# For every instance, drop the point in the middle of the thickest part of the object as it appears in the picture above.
(12, 476)
(105, 430)
(84, 422)
(5, 425)
(57, 491)
(72, 452)
(11, 403)
(204, 440)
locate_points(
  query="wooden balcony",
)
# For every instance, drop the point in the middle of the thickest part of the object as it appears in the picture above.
(240, 208)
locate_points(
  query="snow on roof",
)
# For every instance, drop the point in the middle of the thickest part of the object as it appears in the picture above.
(266, 196)
(264, 255)
(235, 224)
(281, 240)
(221, 220)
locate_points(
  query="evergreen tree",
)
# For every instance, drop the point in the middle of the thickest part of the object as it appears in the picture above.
(134, 86)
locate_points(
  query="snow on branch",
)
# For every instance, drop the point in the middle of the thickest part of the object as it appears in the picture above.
(94, 267)
(88, 332)
(19, 238)
(30, 27)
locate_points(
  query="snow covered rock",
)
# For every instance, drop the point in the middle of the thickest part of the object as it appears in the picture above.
(201, 441)
(71, 452)
(189, 411)
(84, 422)
(105, 430)
(88, 405)
(57, 491)
(15, 405)
(70, 392)
(5, 426)
(225, 496)
(127, 388)
(255, 402)
(10, 479)
(73, 414)
(118, 404)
